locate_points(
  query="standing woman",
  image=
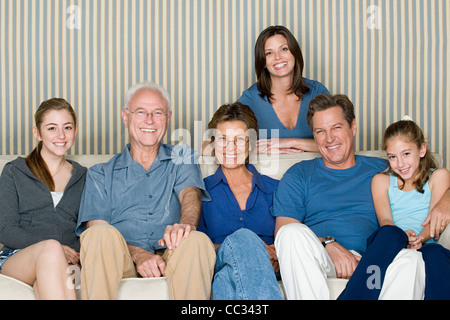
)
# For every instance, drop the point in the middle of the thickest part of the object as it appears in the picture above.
(280, 98)
(40, 197)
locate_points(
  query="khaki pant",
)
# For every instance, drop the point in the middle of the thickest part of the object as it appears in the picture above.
(105, 260)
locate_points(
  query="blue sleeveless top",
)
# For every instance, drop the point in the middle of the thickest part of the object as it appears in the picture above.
(409, 208)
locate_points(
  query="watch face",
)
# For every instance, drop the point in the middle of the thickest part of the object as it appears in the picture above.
(327, 240)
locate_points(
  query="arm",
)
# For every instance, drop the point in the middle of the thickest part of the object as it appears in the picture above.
(286, 146)
(191, 208)
(12, 235)
(380, 187)
(439, 213)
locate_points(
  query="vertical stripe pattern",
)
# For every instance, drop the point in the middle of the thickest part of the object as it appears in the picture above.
(389, 57)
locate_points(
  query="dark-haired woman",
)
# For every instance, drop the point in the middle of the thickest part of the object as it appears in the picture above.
(281, 96)
(40, 197)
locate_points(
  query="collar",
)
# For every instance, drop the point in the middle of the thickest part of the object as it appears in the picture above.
(125, 159)
(257, 180)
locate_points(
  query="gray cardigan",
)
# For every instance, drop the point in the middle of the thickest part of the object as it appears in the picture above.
(27, 213)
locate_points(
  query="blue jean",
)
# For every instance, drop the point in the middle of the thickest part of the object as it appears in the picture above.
(243, 270)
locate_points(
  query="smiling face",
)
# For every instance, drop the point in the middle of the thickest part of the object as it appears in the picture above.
(57, 132)
(147, 131)
(231, 143)
(334, 137)
(404, 157)
(279, 60)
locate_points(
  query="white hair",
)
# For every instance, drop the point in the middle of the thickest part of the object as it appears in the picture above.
(147, 86)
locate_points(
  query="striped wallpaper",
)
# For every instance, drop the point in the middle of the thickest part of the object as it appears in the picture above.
(389, 57)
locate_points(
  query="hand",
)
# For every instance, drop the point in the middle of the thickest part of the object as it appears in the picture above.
(438, 219)
(149, 264)
(273, 257)
(174, 234)
(415, 242)
(72, 256)
(344, 261)
(277, 146)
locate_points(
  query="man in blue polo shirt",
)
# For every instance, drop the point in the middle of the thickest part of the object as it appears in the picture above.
(324, 212)
(140, 210)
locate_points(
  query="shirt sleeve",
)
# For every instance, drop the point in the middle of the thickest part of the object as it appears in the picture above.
(289, 198)
(11, 234)
(95, 204)
(188, 171)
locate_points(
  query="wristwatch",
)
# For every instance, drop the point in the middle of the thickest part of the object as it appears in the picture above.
(328, 240)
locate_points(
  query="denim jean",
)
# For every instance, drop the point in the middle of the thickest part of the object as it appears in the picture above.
(243, 270)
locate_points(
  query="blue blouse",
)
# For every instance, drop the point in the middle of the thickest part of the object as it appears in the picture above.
(222, 215)
(268, 121)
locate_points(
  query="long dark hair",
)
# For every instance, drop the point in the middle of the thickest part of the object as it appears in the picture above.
(410, 131)
(298, 86)
(34, 160)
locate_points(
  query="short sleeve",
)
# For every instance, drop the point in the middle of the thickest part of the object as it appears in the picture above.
(188, 173)
(289, 197)
(94, 200)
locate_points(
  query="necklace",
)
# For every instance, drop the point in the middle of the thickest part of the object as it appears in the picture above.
(59, 169)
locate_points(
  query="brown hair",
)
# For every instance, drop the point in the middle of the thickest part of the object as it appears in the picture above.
(235, 112)
(34, 160)
(410, 131)
(298, 86)
(325, 101)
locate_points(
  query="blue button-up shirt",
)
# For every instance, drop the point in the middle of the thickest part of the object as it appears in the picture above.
(222, 215)
(137, 202)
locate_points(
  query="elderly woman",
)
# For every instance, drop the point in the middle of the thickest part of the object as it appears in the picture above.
(237, 219)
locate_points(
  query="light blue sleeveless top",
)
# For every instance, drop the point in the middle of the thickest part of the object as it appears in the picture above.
(409, 208)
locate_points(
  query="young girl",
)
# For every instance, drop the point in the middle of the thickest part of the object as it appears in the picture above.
(403, 198)
(40, 196)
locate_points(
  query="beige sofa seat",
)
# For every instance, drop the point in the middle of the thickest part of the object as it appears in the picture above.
(156, 288)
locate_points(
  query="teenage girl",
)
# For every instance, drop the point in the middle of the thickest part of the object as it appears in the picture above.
(40, 196)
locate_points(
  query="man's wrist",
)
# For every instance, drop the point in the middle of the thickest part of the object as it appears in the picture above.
(327, 240)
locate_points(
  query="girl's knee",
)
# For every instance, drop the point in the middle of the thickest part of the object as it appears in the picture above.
(433, 251)
(50, 246)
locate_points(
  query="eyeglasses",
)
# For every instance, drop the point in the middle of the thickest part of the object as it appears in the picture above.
(142, 114)
(239, 141)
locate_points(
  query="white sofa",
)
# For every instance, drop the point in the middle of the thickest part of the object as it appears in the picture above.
(156, 288)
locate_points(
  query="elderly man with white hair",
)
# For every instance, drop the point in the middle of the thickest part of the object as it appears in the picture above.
(139, 211)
